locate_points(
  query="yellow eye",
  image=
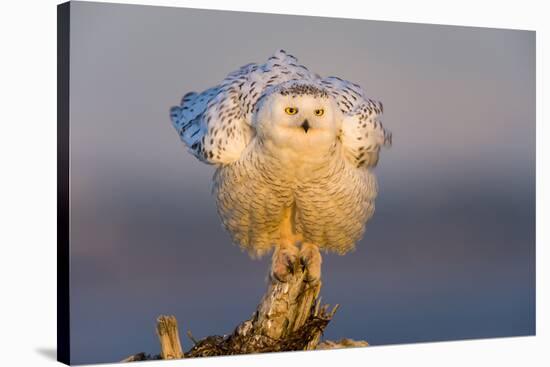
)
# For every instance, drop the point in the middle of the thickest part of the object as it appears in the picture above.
(319, 112)
(291, 110)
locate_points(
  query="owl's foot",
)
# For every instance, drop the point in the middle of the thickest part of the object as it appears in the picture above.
(310, 256)
(282, 265)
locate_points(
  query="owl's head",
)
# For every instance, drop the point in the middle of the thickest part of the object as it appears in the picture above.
(296, 114)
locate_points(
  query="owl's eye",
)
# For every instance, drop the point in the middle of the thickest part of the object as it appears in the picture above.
(319, 112)
(291, 110)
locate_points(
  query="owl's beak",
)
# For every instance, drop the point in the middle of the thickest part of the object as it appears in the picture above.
(305, 126)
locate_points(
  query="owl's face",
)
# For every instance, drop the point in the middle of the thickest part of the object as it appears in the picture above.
(300, 118)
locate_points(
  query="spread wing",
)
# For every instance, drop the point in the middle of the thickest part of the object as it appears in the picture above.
(362, 133)
(216, 125)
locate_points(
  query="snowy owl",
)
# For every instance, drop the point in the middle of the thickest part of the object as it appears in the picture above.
(294, 154)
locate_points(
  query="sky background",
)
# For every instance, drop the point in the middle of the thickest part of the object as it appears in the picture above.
(449, 253)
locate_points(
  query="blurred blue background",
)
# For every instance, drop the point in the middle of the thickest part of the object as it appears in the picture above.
(450, 252)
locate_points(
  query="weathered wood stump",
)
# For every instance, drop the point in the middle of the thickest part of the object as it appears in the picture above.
(289, 317)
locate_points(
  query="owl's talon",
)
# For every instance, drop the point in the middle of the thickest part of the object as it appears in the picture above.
(311, 260)
(282, 267)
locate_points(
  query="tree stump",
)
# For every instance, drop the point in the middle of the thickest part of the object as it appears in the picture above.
(289, 317)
